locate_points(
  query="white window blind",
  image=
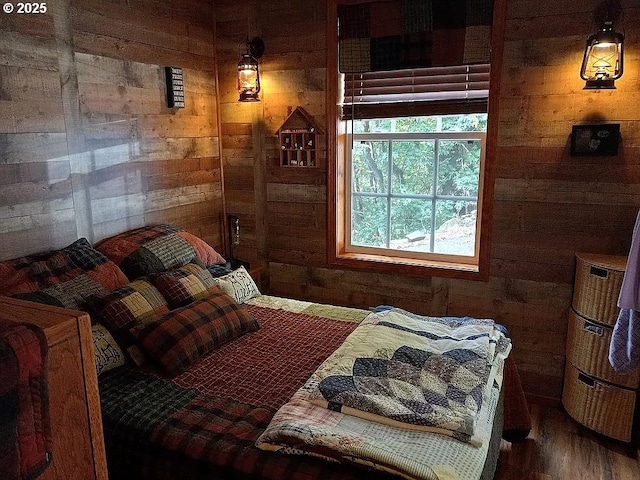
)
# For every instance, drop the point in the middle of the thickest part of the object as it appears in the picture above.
(429, 90)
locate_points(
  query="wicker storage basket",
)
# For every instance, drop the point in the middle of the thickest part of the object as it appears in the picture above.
(597, 286)
(605, 408)
(588, 350)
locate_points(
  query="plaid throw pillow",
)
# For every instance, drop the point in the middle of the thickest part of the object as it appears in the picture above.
(185, 335)
(127, 308)
(183, 285)
(65, 277)
(156, 248)
(70, 294)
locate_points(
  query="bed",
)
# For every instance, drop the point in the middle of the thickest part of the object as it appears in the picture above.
(185, 397)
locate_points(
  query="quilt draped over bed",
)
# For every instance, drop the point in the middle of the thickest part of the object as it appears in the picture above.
(412, 375)
(424, 373)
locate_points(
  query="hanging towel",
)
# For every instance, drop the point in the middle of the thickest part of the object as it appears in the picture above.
(624, 350)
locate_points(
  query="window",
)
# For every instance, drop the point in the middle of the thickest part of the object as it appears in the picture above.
(413, 187)
(411, 162)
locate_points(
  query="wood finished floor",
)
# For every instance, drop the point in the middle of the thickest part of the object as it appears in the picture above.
(559, 449)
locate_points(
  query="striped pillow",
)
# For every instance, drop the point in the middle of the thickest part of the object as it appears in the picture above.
(186, 334)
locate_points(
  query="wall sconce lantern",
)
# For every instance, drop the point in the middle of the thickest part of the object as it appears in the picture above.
(602, 63)
(248, 72)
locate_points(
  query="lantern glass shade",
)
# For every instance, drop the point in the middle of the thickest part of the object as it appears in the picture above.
(248, 79)
(602, 63)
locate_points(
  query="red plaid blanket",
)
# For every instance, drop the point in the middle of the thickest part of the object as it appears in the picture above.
(204, 423)
(24, 403)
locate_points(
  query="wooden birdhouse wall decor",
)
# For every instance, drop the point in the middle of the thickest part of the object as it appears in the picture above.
(298, 138)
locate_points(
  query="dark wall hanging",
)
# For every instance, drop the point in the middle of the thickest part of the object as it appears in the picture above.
(595, 139)
(175, 87)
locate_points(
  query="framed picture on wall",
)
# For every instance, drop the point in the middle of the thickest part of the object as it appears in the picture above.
(600, 139)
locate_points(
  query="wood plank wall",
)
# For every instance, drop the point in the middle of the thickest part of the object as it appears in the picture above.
(88, 146)
(548, 205)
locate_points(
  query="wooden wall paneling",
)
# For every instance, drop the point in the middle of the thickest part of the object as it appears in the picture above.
(192, 12)
(145, 31)
(357, 289)
(297, 214)
(23, 48)
(35, 191)
(136, 25)
(32, 101)
(172, 154)
(30, 25)
(31, 151)
(315, 177)
(260, 188)
(296, 193)
(73, 119)
(89, 147)
(243, 155)
(556, 164)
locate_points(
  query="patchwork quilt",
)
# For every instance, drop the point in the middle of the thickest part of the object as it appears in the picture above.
(65, 278)
(156, 248)
(414, 372)
(312, 425)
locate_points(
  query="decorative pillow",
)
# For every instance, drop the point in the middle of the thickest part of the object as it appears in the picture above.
(65, 277)
(156, 248)
(183, 285)
(186, 334)
(70, 294)
(238, 284)
(126, 308)
(107, 352)
(205, 252)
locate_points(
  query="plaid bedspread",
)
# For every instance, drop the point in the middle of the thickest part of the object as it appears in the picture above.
(25, 428)
(204, 423)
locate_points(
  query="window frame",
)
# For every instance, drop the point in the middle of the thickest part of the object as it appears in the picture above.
(337, 189)
(436, 137)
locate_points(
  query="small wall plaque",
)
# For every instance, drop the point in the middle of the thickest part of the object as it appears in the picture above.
(175, 87)
(595, 139)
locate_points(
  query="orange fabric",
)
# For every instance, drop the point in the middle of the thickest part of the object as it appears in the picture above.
(205, 252)
(108, 275)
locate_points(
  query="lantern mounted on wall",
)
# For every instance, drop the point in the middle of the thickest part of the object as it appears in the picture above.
(602, 63)
(248, 72)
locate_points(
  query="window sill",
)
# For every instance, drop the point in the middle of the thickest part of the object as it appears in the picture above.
(410, 267)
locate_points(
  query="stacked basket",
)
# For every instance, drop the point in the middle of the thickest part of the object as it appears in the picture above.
(594, 394)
